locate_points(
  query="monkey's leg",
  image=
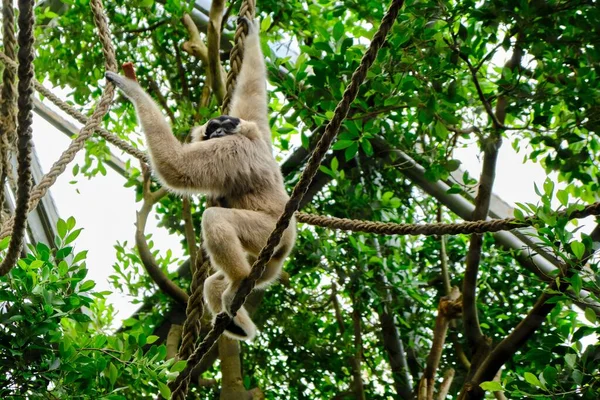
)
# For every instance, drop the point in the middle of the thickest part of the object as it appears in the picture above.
(228, 235)
(242, 327)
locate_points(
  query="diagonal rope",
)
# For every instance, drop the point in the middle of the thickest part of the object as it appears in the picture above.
(248, 10)
(8, 100)
(469, 227)
(92, 124)
(292, 205)
(25, 74)
(78, 115)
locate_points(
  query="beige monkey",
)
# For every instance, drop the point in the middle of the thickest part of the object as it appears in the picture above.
(230, 158)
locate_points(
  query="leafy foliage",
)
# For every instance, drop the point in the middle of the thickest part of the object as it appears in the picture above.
(426, 95)
(54, 336)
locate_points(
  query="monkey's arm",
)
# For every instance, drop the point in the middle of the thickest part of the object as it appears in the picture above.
(249, 100)
(207, 166)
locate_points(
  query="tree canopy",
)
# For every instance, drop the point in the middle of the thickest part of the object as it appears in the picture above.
(355, 315)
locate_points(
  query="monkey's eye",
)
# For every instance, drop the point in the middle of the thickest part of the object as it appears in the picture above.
(228, 125)
(212, 125)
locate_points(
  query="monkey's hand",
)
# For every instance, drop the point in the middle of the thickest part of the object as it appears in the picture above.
(129, 87)
(252, 27)
(227, 297)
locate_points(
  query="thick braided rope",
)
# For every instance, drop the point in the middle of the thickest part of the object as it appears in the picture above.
(247, 9)
(194, 311)
(25, 74)
(72, 111)
(94, 121)
(468, 227)
(192, 325)
(292, 205)
(8, 98)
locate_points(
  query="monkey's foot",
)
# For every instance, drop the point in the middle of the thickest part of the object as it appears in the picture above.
(241, 327)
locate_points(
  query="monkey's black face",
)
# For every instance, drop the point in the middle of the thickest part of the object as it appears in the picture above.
(222, 126)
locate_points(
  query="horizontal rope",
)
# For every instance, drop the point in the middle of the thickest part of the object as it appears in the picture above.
(468, 227)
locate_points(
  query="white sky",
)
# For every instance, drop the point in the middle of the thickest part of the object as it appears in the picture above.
(103, 207)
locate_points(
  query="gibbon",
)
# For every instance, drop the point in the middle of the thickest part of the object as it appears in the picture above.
(229, 158)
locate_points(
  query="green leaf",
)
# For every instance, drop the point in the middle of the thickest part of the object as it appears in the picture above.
(351, 151)
(72, 236)
(334, 164)
(563, 197)
(338, 30)
(452, 165)
(87, 285)
(266, 23)
(492, 386)
(532, 379)
(80, 256)
(548, 187)
(518, 214)
(590, 315)
(64, 252)
(178, 366)
(164, 390)
(570, 360)
(151, 339)
(367, 147)
(112, 373)
(61, 227)
(70, 223)
(578, 249)
(342, 144)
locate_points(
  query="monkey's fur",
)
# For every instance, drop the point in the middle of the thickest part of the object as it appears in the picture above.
(233, 161)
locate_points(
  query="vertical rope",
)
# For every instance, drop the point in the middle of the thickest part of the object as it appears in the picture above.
(92, 124)
(8, 99)
(24, 119)
(248, 10)
(292, 205)
(194, 310)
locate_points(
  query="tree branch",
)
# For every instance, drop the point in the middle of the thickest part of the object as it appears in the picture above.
(156, 273)
(232, 383)
(195, 46)
(448, 308)
(215, 69)
(392, 342)
(173, 341)
(446, 383)
(523, 331)
(357, 382)
(153, 86)
(443, 256)
(491, 146)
